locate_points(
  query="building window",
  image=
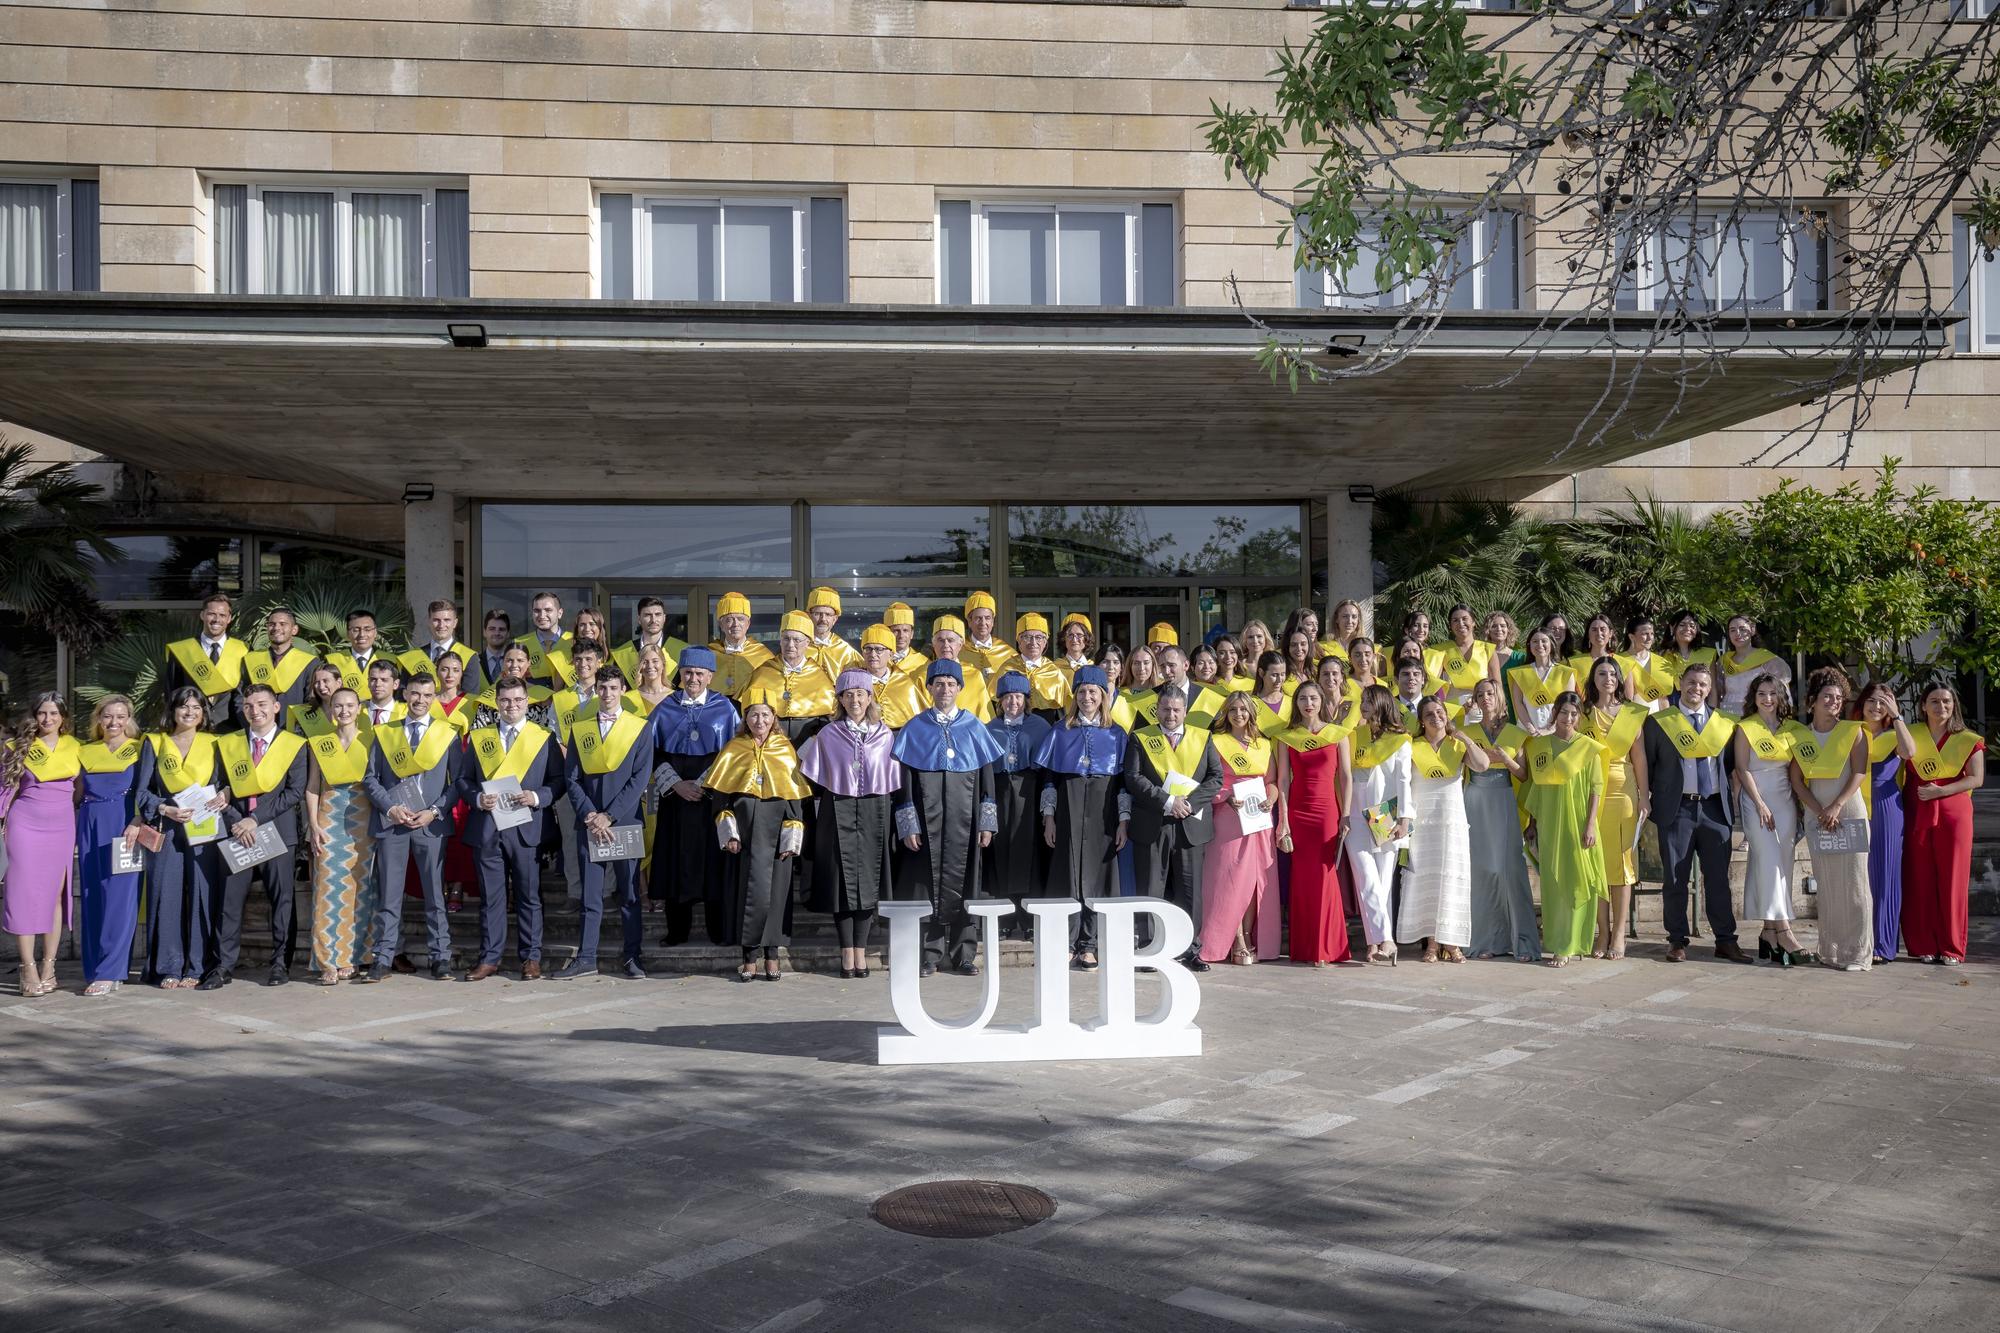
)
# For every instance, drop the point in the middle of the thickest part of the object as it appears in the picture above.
(1482, 272)
(620, 541)
(1087, 253)
(305, 240)
(48, 234)
(1760, 259)
(730, 248)
(1975, 286)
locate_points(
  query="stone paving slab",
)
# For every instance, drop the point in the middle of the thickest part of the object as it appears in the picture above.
(1627, 1146)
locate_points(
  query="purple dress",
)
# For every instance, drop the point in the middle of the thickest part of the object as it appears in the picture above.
(1885, 852)
(108, 904)
(41, 846)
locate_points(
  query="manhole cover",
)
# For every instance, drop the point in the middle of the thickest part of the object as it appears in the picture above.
(962, 1209)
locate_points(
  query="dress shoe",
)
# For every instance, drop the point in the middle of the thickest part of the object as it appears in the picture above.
(849, 973)
(1677, 955)
(375, 972)
(1731, 952)
(441, 969)
(576, 969)
(632, 971)
(968, 969)
(483, 971)
(531, 970)
(1192, 962)
(214, 980)
(403, 965)
(928, 969)
(280, 974)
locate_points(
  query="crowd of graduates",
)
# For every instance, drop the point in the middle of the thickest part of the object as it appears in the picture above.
(1272, 784)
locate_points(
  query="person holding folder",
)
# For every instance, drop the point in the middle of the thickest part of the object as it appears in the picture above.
(504, 829)
(265, 768)
(610, 763)
(1174, 776)
(412, 784)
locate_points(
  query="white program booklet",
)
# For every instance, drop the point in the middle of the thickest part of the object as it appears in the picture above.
(507, 814)
(200, 829)
(1253, 814)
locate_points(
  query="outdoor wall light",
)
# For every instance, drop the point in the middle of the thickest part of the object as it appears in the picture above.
(1345, 344)
(466, 335)
(1361, 495)
(419, 492)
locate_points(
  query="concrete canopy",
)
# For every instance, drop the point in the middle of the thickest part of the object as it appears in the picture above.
(602, 400)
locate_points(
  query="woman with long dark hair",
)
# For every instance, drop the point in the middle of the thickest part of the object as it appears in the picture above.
(1768, 814)
(38, 778)
(184, 878)
(1316, 784)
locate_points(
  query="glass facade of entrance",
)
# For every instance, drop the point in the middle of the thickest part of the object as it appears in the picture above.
(1126, 566)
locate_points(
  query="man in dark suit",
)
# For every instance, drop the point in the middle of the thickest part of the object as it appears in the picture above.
(212, 662)
(483, 672)
(610, 762)
(519, 749)
(1685, 744)
(1173, 774)
(265, 768)
(422, 749)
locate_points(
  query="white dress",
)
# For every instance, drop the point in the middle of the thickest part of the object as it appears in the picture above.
(1437, 893)
(1767, 879)
(1535, 720)
(1375, 867)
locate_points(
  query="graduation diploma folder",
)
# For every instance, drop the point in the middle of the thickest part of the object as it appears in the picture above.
(266, 846)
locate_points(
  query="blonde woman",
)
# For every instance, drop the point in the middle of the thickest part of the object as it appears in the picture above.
(345, 895)
(1240, 912)
(1255, 640)
(108, 902)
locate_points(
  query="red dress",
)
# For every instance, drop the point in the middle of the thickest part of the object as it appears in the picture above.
(1937, 866)
(1319, 917)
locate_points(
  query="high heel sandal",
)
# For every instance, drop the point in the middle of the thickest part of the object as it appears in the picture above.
(1767, 944)
(1454, 954)
(1430, 953)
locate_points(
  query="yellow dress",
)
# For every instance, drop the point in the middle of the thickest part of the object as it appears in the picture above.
(1618, 811)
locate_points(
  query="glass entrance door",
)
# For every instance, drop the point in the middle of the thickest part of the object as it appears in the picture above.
(1126, 614)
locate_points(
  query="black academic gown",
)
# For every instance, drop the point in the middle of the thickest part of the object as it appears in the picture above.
(1017, 864)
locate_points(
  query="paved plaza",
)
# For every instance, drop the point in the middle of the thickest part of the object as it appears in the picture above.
(1489, 1146)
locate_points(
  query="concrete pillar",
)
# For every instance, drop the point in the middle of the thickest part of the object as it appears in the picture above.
(1350, 554)
(430, 569)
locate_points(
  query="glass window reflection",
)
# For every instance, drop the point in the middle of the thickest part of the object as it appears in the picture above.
(636, 541)
(899, 541)
(170, 567)
(1061, 541)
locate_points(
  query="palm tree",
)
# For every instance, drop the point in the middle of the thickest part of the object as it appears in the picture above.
(1435, 554)
(321, 593)
(50, 529)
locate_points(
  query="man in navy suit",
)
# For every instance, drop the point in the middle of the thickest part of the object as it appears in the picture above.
(519, 749)
(610, 763)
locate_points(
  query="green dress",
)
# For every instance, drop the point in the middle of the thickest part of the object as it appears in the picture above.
(1563, 778)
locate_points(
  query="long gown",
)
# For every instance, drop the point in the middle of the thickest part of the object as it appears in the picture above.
(1319, 921)
(1885, 851)
(346, 894)
(1503, 902)
(1617, 812)
(1767, 876)
(1083, 784)
(1017, 862)
(1437, 895)
(854, 779)
(1937, 868)
(759, 883)
(1375, 867)
(179, 877)
(41, 849)
(1846, 909)
(108, 904)
(1573, 879)
(1239, 876)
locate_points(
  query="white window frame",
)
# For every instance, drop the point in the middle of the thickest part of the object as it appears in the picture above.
(1978, 318)
(65, 261)
(343, 193)
(983, 209)
(1480, 243)
(1650, 279)
(642, 235)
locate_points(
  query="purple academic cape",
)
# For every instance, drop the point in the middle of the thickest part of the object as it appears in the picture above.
(838, 759)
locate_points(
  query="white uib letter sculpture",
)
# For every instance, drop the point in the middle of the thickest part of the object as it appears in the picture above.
(1117, 1033)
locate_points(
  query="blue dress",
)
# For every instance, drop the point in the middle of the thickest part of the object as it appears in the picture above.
(109, 904)
(1885, 853)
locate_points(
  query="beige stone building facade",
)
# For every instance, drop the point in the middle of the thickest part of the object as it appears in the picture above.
(317, 174)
